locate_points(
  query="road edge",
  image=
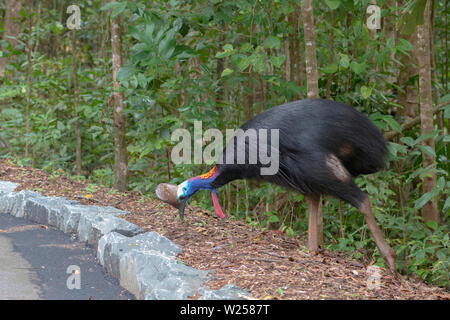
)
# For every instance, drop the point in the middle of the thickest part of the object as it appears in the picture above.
(145, 263)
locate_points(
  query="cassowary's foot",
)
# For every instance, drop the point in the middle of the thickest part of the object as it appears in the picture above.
(389, 258)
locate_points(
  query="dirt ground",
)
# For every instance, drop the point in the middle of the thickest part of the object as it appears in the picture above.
(267, 263)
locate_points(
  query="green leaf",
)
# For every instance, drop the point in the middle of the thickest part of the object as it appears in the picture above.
(227, 51)
(344, 61)
(23, 13)
(331, 68)
(226, 72)
(446, 138)
(241, 61)
(125, 73)
(167, 45)
(419, 203)
(426, 136)
(258, 62)
(445, 98)
(447, 112)
(408, 141)
(358, 68)
(109, 6)
(333, 4)
(427, 149)
(60, 126)
(271, 42)
(365, 92)
(395, 148)
(440, 184)
(392, 123)
(11, 113)
(228, 47)
(57, 28)
(118, 9)
(278, 61)
(246, 47)
(432, 224)
(404, 45)
(446, 205)
(273, 219)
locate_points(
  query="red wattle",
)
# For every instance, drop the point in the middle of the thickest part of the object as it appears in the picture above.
(217, 207)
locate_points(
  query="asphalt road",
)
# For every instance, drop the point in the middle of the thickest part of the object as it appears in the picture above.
(39, 262)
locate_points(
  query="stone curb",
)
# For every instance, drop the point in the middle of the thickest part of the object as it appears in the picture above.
(145, 263)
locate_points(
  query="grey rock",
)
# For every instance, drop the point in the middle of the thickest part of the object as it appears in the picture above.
(162, 278)
(146, 265)
(14, 202)
(108, 209)
(7, 187)
(46, 210)
(227, 292)
(69, 216)
(142, 242)
(93, 225)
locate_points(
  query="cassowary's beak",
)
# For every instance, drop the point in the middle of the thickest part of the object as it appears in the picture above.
(181, 206)
(168, 193)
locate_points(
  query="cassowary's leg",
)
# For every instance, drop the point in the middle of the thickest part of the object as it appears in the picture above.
(340, 184)
(313, 234)
(386, 252)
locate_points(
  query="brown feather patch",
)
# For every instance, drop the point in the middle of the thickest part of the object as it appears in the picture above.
(337, 168)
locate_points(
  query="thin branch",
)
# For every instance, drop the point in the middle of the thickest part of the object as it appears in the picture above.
(408, 124)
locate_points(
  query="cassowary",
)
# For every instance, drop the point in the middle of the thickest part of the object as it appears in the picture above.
(322, 146)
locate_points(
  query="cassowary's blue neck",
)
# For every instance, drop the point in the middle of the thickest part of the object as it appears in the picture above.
(205, 181)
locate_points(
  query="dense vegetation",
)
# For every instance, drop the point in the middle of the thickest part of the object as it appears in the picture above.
(222, 62)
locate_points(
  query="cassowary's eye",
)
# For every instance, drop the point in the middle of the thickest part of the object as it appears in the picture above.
(184, 189)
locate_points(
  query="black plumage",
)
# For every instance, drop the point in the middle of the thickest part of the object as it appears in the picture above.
(320, 142)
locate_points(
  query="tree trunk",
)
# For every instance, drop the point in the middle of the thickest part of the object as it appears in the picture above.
(436, 94)
(248, 105)
(331, 57)
(312, 75)
(11, 28)
(75, 103)
(407, 95)
(426, 108)
(120, 146)
(27, 109)
(297, 70)
(220, 92)
(389, 33)
(287, 53)
(312, 78)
